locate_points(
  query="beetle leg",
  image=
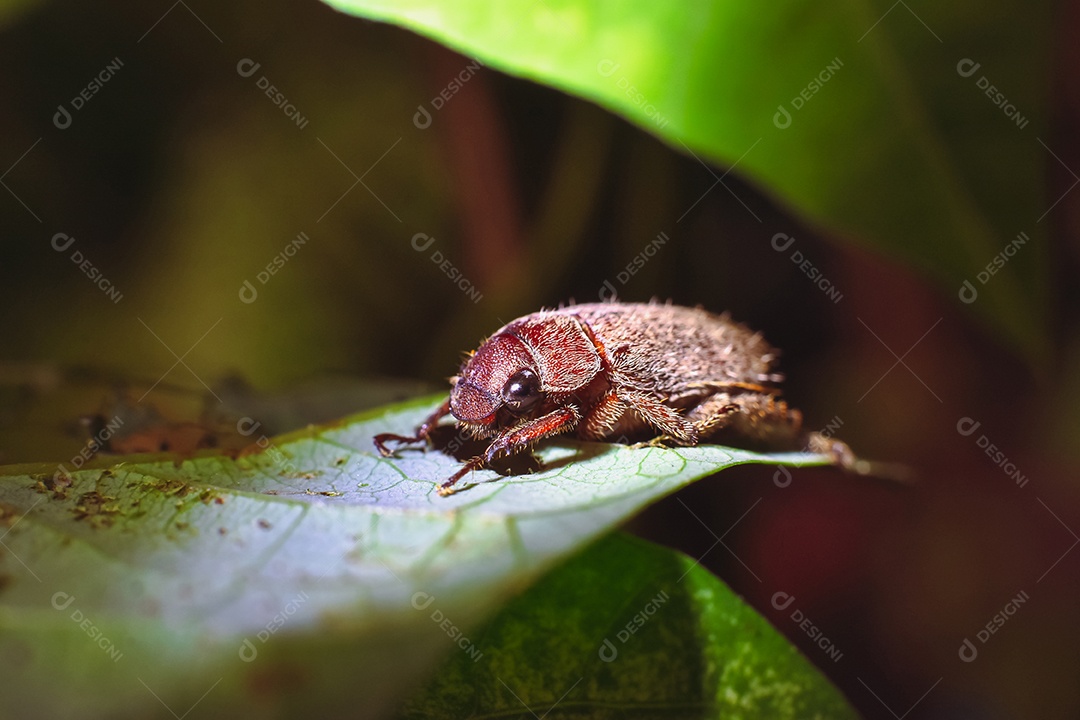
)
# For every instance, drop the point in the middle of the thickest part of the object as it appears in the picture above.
(422, 432)
(668, 421)
(447, 489)
(838, 450)
(765, 419)
(516, 439)
(843, 457)
(716, 412)
(711, 415)
(761, 418)
(598, 423)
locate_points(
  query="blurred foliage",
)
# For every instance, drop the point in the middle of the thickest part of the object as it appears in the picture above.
(741, 84)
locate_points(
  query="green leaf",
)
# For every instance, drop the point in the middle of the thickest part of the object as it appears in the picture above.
(856, 114)
(289, 577)
(628, 628)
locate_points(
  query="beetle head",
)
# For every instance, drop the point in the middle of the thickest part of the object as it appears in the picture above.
(500, 376)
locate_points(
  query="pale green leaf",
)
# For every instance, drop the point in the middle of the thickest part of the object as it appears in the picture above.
(289, 577)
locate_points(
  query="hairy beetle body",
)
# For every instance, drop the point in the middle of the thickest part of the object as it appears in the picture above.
(620, 370)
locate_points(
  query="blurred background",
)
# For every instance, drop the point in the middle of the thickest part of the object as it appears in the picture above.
(272, 213)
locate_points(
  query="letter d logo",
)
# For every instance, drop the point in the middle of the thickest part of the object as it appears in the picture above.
(967, 67)
(968, 293)
(422, 600)
(248, 651)
(781, 242)
(247, 67)
(782, 600)
(62, 118)
(782, 118)
(782, 477)
(62, 600)
(607, 68)
(248, 293)
(422, 241)
(61, 242)
(422, 118)
(965, 426)
(607, 292)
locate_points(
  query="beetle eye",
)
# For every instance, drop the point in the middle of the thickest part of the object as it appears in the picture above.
(522, 391)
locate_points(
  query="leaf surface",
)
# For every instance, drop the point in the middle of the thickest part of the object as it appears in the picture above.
(291, 575)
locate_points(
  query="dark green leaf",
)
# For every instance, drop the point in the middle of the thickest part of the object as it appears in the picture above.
(628, 629)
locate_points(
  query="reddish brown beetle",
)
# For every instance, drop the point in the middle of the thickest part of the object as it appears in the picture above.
(609, 370)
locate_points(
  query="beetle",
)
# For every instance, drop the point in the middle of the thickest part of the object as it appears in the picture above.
(618, 370)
